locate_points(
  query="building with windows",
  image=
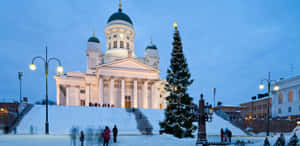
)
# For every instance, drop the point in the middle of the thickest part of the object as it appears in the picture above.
(115, 77)
(256, 109)
(286, 101)
(230, 113)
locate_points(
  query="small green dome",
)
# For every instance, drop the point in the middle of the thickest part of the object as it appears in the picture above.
(151, 47)
(93, 39)
(120, 16)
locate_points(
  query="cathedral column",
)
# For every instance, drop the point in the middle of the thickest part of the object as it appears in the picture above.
(68, 95)
(135, 92)
(112, 99)
(87, 95)
(101, 91)
(145, 95)
(155, 96)
(122, 93)
(58, 94)
(76, 101)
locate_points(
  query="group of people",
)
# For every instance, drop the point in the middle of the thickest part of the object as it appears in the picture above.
(226, 135)
(104, 136)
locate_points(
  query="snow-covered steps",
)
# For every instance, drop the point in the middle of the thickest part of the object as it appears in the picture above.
(63, 118)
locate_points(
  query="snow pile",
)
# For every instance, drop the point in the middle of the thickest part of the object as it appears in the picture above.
(63, 118)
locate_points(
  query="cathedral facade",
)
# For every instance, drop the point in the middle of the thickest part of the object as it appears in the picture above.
(116, 77)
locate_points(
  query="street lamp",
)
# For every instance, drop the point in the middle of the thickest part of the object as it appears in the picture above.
(275, 88)
(20, 75)
(59, 70)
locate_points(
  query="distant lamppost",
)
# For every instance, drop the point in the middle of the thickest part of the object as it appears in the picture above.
(275, 88)
(20, 75)
(59, 71)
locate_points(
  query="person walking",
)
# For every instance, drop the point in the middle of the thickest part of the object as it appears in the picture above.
(73, 136)
(81, 137)
(222, 135)
(106, 136)
(115, 133)
(226, 134)
(229, 136)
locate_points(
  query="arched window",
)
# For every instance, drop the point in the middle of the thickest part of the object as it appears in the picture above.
(280, 98)
(115, 44)
(121, 44)
(290, 96)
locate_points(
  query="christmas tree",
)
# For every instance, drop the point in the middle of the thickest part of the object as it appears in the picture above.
(280, 141)
(266, 142)
(293, 140)
(178, 114)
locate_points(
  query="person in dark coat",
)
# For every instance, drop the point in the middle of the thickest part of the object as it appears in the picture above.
(225, 134)
(106, 136)
(115, 133)
(222, 135)
(229, 136)
(81, 138)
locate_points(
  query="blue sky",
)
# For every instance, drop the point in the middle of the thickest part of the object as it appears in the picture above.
(229, 44)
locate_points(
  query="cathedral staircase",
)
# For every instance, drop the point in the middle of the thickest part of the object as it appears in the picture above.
(226, 117)
(142, 121)
(11, 122)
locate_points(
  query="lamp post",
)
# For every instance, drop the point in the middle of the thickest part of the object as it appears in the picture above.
(276, 88)
(20, 75)
(59, 69)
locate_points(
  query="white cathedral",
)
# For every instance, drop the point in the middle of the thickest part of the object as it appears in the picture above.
(116, 77)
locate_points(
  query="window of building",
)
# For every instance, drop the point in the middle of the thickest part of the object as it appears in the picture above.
(290, 96)
(127, 46)
(82, 102)
(290, 109)
(279, 110)
(115, 44)
(280, 98)
(121, 44)
(115, 36)
(109, 45)
(82, 91)
(109, 38)
(127, 37)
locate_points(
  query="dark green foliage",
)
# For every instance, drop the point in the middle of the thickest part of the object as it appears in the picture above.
(280, 141)
(178, 114)
(266, 142)
(293, 141)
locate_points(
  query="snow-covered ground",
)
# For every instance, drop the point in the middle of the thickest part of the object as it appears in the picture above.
(63, 118)
(287, 136)
(64, 140)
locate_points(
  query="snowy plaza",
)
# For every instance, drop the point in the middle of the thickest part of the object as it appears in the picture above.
(149, 73)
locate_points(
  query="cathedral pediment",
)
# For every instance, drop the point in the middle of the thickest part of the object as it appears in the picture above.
(129, 64)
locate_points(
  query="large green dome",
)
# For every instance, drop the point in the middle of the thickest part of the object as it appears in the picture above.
(120, 16)
(93, 39)
(151, 47)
